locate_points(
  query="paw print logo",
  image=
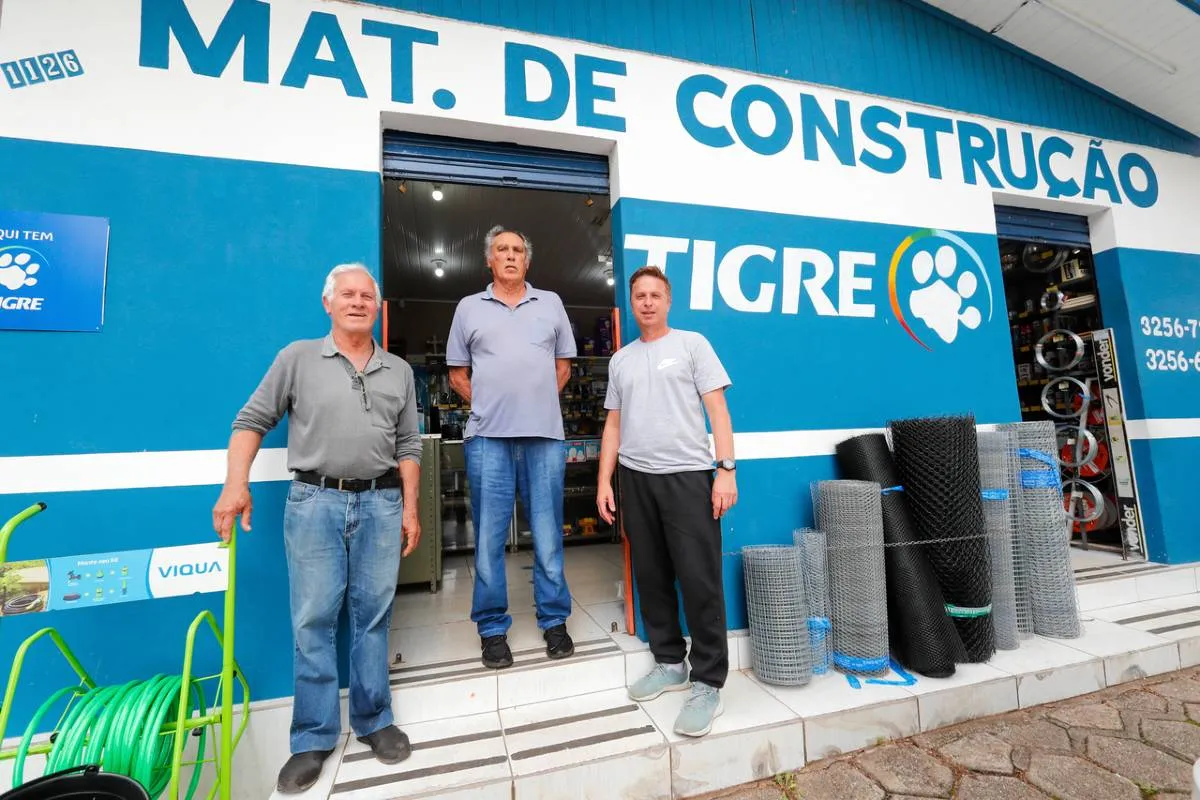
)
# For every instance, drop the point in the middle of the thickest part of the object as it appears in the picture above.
(945, 286)
(17, 270)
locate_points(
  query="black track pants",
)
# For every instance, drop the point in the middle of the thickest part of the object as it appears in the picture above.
(673, 536)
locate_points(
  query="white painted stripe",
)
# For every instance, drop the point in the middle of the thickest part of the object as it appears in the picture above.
(1181, 428)
(86, 472)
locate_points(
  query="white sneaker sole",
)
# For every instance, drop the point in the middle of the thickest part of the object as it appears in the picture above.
(674, 687)
(695, 734)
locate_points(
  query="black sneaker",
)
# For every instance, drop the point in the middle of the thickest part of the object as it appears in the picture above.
(301, 771)
(558, 642)
(496, 654)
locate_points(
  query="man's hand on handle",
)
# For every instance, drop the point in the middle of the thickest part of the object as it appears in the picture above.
(234, 501)
(724, 493)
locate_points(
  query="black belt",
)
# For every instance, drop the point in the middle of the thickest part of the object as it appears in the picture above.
(388, 480)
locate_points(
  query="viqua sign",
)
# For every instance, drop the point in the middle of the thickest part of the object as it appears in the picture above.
(764, 121)
(187, 570)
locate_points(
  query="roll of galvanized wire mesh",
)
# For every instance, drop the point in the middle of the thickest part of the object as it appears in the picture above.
(998, 488)
(920, 633)
(939, 464)
(850, 515)
(1045, 552)
(811, 544)
(780, 652)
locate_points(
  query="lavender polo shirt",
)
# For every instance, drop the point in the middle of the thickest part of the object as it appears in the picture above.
(511, 353)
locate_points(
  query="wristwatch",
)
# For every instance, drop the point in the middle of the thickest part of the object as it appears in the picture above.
(726, 464)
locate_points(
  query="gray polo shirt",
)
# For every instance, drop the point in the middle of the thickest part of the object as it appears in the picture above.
(658, 388)
(511, 353)
(340, 423)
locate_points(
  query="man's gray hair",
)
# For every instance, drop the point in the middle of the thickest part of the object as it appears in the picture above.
(490, 238)
(340, 269)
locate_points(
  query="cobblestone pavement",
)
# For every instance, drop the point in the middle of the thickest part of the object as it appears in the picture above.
(1135, 741)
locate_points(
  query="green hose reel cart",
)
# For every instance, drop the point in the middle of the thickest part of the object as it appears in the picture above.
(142, 728)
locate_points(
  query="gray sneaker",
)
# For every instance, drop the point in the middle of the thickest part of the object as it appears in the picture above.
(658, 680)
(699, 711)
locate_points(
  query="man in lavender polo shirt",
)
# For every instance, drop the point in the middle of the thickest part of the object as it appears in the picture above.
(517, 344)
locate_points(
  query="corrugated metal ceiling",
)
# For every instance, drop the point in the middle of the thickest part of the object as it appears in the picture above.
(1145, 52)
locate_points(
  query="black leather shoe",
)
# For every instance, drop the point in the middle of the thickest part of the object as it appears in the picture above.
(496, 654)
(301, 771)
(558, 642)
(390, 745)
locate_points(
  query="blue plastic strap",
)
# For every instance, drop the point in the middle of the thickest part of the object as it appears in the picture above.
(994, 494)
(906, 679)
(891, 489)
(1038, 455)
(855, 664)
(819, 625)
(854, 682)
(1040, 479)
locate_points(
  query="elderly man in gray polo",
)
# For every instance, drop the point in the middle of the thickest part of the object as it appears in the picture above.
(355, 450)
(509, 352)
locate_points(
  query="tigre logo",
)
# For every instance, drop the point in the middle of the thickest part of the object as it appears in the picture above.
(938, 280)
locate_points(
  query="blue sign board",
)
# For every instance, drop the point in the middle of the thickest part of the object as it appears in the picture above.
(52, 271)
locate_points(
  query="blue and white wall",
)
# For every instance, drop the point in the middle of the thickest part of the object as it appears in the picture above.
(235, 150)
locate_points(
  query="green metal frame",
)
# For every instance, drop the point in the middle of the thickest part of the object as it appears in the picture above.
(183, 724)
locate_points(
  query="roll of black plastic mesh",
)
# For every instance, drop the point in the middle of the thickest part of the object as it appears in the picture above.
(938, 461)
(920, 633)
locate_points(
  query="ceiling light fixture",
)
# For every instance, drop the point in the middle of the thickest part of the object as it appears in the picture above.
(608, 277)
(437, 192)
(437, 267)
(1109, 36)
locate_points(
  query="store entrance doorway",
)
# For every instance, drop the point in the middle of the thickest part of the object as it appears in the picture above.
(433, 256)
(1058, 334)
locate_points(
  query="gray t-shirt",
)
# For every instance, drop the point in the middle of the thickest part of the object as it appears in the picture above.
(340, 424)
(511, 353)
(657, 387)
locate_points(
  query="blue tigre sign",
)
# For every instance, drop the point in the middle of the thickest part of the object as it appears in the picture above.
(52, 271)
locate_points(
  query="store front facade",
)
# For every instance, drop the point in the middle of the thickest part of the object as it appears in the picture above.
(235, 150)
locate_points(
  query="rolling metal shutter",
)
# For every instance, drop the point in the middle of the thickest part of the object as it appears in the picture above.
(1048, 227)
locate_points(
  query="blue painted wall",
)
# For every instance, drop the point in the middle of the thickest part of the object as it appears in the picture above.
(902, 49)
(213, 266)
(1135, 287)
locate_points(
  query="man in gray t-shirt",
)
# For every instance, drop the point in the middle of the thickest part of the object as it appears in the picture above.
(509, 352)
(659, 388)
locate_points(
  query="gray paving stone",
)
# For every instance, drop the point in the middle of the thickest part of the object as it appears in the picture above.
(994, 787)
(903, 769)
(840, 780)
(1039, 734)
(1183, 689)
(1072, 778)
(1092, 715)
(1193, 711)
(1140, 763)
(1180, 739)
(982, 752)
(1138, 700)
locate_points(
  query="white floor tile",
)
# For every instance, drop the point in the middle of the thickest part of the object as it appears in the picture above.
(559, 679)
(607, 615)
(1106, 639)
(831, 693)
(562, 733)
(447, 754)
(1189, 651)
(1127, 667)
(1102, 594)
(1127, 610)
(846, 731)
(1048, 670)
(1166, 583)
(442, 699)
(1167, 619)
(712, 762)
(645, 775)
(975, 690)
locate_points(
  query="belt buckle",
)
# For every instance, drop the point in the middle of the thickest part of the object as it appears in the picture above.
(341, 482)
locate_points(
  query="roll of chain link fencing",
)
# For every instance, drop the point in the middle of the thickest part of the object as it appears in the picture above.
(921, 634)
(938, 460)
(780, 652)
(812, 545)
(1045, 552)
(850, 516)
(998, 488)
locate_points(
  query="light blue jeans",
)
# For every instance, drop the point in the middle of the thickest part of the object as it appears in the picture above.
(496, 470)
(341, 546)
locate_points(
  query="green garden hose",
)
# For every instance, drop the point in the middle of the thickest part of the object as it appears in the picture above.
(120, 729)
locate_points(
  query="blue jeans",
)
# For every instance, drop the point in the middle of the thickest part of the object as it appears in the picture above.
(496, 470)
(340, 546)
